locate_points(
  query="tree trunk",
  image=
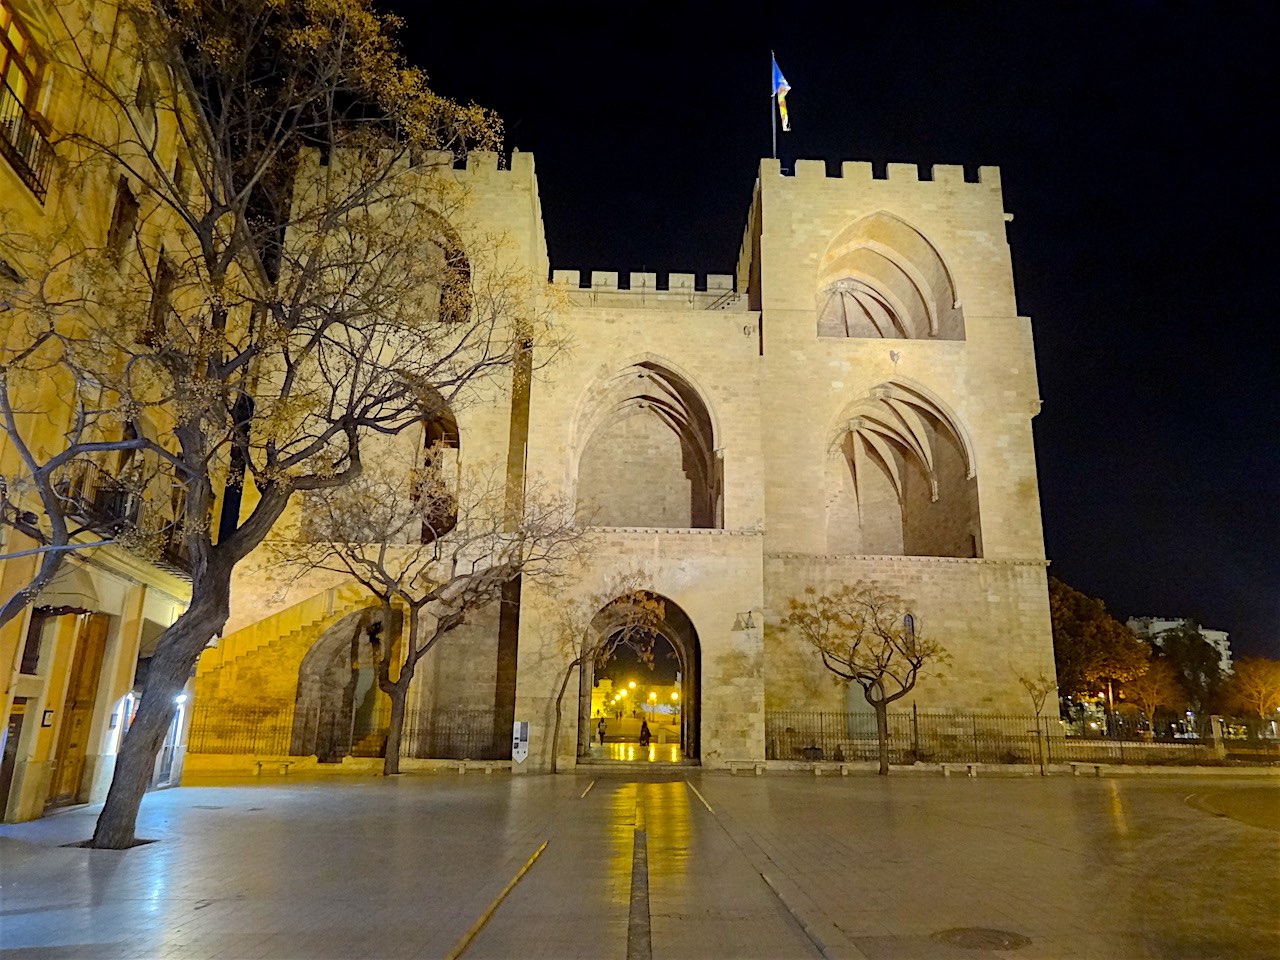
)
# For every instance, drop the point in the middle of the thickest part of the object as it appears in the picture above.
(555, 732)
(399, 694)
(882, 734)
(176, 653)
(399, 690)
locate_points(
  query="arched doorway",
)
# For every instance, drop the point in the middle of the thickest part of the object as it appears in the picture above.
(653, 676)
(339, 710)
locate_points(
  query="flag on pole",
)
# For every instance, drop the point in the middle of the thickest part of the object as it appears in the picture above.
(780, 88)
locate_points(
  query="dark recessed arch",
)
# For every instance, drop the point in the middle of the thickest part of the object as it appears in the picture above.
(649, 458)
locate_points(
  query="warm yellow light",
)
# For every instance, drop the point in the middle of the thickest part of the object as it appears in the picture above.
(623, 693)
(652, 695)
(674, 695)
(632, 684)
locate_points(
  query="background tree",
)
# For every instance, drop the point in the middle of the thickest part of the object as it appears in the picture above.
(589, 630)
(1091, 647)
(1157, 687)
(288, 284)
(865, 636)
(1196, 662)
(434, 551)
(1254, 687)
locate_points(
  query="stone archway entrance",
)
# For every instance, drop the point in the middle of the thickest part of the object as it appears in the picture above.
(625, 691)
(339, 710)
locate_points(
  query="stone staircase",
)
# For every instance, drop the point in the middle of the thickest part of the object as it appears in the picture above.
(268, 643)
(371, 745)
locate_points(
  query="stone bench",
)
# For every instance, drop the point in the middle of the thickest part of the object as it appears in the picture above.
(757, 766)
(462, 766)
(971, 769)
(282, 764)
(1078, 765)
(841, 768)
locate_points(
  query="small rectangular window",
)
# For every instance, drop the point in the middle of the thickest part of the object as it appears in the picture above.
(144, 98)
(31, 648)
(161, 300)
(21, 67)
(124, 220)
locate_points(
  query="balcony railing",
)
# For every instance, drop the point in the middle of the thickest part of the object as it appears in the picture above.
(23, 144)
(95, 496)
(109, 506)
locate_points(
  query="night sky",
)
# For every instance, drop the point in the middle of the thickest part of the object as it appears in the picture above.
(1131, 143)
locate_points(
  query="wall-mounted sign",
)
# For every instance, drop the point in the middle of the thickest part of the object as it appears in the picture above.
(520, 741)
(47, 719)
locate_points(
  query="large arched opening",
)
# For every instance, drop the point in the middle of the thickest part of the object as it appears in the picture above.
(339, 710)
(649, 458)
(880, 277)
(653, 680)
(901, 479)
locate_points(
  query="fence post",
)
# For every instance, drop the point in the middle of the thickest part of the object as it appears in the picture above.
(1039, 745)
(973, 718)
(1215, 732)
(915, 733)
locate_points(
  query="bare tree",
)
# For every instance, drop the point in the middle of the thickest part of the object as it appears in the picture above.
(591, 629)
(868, 637)
(434, 549)
(288, 284)
(1038, 689)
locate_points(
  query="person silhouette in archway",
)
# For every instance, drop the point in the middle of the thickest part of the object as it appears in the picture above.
(645, 735)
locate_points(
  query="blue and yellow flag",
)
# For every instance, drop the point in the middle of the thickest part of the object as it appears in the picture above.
(780, 88)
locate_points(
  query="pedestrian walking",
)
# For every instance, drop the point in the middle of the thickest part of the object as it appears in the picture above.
(645, 735)
(600, 731)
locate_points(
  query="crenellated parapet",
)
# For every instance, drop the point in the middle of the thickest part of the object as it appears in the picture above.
(864, 170)
(599, 288)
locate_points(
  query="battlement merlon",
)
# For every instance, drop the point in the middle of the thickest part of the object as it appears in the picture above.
(862, 170)
(681, 290)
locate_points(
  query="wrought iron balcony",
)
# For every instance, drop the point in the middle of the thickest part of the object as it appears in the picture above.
(23, 143)
(110, 507)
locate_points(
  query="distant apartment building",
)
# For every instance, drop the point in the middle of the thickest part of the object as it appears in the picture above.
(1151, 628)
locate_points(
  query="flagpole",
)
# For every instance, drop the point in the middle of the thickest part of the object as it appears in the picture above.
(773, 110)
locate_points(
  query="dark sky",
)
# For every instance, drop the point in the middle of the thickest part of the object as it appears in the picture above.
(1131, 141)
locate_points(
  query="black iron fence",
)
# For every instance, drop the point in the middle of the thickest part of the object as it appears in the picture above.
(23, 143)
(939, 737)
(456, 733)
(263, 729)
(275, 728)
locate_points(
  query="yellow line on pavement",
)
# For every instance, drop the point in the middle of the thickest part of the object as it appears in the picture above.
(699, 796)
(476, 927)
(588, 790)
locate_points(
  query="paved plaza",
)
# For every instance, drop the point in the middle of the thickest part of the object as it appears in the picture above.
(670, 864)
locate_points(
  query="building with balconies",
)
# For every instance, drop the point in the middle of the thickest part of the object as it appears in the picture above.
(71, 661)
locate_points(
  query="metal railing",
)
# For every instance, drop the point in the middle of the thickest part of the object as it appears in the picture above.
(275, 728)
(939, 737)
(219, 726)
(109, 506)
(449, 734)
(95, 496)
(23, 144)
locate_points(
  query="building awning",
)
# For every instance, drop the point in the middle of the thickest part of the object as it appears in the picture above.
(70, 591)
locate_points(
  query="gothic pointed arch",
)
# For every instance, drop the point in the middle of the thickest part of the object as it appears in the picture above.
(880, 277)
(901, 478)
(646, 451)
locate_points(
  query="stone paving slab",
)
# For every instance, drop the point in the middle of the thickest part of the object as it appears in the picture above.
(857, 867)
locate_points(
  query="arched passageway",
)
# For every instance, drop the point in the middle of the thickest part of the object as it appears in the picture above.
(339, 710)
(661, 687)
